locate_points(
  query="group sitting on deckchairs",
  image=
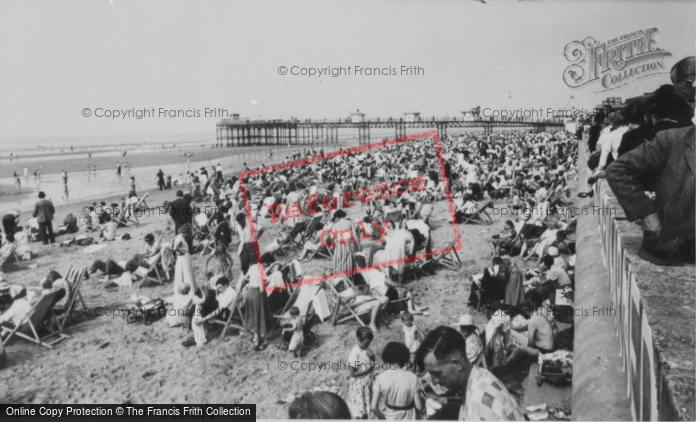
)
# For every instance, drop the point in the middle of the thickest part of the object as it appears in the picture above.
(41, 313)
(155, 265)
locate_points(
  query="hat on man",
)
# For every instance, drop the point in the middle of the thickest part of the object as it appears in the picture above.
(42, 194)
(149, 237)
(553, 251)
(464, 320)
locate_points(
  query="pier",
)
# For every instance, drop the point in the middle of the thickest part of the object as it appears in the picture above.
(236, 131)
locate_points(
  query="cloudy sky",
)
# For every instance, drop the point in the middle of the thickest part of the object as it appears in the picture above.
(57, 58)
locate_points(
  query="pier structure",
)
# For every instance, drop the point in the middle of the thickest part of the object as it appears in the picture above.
(232, 132)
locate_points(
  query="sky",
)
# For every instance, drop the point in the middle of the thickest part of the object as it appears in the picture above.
(59, 58)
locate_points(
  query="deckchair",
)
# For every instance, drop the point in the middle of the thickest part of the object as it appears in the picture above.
(480, 216)
(202, 225)
(322, 251)
(40, 316)
(311, 228)
(209, 242)
(375, 281)
(425, 211)
(152, 273)
(7, 250)
(290, 240)
(128, 217)
(344, 301)
(296, 273)
(74, 278)
(302, 297)
(450, 257)
(233, 309)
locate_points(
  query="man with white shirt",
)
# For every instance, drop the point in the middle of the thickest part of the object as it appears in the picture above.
(609, 146)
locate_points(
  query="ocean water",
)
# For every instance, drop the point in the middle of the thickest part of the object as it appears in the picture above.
(83, 186)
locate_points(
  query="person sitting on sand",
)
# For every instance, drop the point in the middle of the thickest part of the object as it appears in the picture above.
(111, 268)
(92, 221)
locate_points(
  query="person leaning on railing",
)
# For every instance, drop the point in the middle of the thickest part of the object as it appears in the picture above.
(669, 220)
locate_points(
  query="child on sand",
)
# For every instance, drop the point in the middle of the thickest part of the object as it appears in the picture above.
(297, 329)
(411, 334)
(361, 363)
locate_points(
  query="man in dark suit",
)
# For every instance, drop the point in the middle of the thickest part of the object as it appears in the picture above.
(180, 210)
(665, 110)
(594, 132)
(666, 166)
(44, 211)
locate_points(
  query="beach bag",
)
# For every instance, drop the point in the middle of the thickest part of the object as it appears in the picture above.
(147, 312)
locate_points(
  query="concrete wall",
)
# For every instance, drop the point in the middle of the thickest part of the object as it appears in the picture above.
(599, 389)
(653, 320)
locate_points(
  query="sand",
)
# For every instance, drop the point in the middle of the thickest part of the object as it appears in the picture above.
(107, 360)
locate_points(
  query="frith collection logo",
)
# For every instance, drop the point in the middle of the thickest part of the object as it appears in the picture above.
(614, 63)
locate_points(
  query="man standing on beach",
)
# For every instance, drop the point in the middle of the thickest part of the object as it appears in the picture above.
(26, 175)
(44, 211)
(119, 170)
(94, 171)
(161, 180)
(65, 178)
(219, 173)
(180, 210)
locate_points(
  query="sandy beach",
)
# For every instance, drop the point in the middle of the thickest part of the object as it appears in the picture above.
(107, 360)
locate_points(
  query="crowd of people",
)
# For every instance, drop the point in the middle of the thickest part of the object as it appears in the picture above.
(358, 210)
(649, 147)
(369, 214)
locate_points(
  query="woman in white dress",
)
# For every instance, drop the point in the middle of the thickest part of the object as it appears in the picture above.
(184, 274)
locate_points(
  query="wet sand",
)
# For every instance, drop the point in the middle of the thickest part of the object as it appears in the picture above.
(83, 186)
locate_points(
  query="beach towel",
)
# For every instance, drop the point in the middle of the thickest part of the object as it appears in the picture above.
(94, 248)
